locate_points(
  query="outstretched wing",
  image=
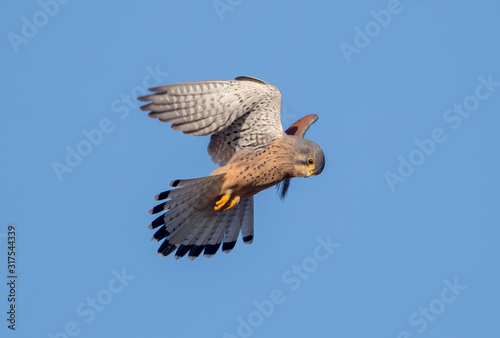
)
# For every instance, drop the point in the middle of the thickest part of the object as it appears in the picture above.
(239, 114)
(300, 127)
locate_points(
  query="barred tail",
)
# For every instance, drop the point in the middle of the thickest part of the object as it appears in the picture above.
(190, 223)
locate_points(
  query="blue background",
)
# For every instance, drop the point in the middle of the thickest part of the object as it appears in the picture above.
(397, 250)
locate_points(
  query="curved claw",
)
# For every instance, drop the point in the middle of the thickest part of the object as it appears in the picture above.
(226, 202)
(221, 202)
(232, 203)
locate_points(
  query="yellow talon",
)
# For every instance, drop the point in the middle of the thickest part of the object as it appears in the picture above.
(220, 203)
(233, 202)
(223, 205)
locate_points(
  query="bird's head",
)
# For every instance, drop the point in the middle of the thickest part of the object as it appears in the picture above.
(310, 159)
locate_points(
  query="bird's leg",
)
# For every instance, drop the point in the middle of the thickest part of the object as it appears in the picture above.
(223, 205)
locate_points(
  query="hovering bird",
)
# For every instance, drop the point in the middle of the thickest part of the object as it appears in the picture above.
(249, 144)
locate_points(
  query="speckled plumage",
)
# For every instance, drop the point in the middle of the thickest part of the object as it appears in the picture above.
(248, 142)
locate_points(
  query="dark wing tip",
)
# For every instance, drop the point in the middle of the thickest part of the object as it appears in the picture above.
(249, 78)
(146, 107)
(160, 90)
(145, 98)
(300, 127)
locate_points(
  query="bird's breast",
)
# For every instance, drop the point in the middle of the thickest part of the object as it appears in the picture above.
(256, 171)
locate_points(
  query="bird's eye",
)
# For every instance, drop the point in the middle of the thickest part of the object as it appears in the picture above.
(310, 161)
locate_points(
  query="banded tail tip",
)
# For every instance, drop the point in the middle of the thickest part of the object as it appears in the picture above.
(211, 249)
(166, 248)
(195, 251)
(248, 239)
(158, 208)
(160, 220)
(182, 250)
(162, 196)
(228, 246)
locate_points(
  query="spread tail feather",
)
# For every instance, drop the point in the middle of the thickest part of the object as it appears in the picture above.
(190, 224)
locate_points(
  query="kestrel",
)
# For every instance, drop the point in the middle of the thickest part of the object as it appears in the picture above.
(249, 144)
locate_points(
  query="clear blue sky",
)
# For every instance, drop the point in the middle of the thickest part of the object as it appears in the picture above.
(407, 208)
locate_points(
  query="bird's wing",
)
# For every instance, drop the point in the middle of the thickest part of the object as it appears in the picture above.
(240, 114)
(302, 125)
